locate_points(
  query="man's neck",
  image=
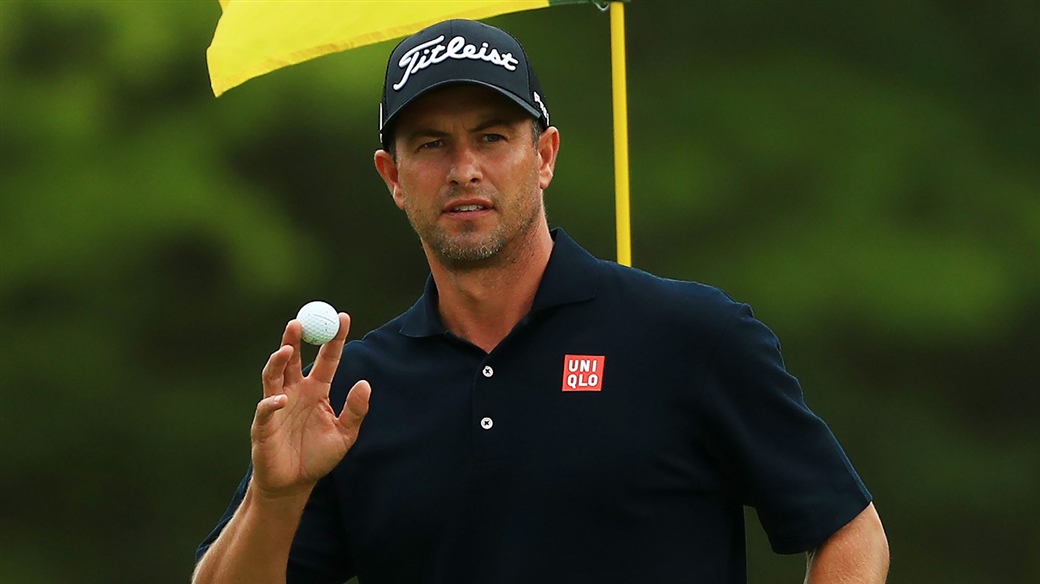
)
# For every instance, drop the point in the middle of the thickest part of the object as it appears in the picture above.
(483, 304)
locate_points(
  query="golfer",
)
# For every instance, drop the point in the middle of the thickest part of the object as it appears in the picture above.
(539, 415)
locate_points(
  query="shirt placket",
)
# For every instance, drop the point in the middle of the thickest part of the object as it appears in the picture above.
(486, 381)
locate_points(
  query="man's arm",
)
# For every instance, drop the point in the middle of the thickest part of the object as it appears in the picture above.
(254, 546)
(297, 438)
(855, 554)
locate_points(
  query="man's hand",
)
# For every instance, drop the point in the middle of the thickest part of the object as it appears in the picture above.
(297, 439)
(296, 436)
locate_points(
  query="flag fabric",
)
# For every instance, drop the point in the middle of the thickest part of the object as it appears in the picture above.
(256, 37)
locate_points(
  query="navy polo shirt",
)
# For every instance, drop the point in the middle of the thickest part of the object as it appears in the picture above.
(614, 435)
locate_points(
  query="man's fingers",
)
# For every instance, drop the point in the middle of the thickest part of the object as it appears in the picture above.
(328, 355)
(292, 335)
(273, 375)
(266, 408)
(356, 408)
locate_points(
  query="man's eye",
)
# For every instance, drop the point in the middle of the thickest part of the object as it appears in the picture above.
(493, 137)
(431, 144)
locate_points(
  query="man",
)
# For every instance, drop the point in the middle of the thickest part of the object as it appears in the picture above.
(538, 415)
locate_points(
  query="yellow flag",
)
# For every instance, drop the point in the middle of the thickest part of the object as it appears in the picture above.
(257, 37)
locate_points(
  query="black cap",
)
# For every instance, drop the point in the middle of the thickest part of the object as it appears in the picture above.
(458, 51)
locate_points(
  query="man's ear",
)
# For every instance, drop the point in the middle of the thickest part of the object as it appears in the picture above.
(386, 166)
(548, 148)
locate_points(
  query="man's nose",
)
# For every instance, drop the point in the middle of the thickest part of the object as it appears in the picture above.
(465, 167)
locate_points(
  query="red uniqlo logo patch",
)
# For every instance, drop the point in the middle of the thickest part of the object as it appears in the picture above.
(583, 372)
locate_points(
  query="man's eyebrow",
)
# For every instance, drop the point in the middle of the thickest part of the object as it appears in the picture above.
(430, 132)
(493, 122)
(424, 133)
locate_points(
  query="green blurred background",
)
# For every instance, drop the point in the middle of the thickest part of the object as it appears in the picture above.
(863, 173)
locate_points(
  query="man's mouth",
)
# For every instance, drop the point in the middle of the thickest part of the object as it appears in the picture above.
(466, 205)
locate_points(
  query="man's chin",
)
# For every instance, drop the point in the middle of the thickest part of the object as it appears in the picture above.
(463, 250)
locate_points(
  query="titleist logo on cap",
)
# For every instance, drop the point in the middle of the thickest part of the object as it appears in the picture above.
(433, 52)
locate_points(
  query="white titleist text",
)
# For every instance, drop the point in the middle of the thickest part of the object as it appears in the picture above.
(433, 52)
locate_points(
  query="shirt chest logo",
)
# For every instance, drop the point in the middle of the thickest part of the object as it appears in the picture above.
(583, 372)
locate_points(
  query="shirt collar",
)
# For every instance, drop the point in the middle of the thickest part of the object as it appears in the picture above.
(570, 276)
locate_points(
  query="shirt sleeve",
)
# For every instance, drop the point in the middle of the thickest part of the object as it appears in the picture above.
(785, 461)
(319, 552)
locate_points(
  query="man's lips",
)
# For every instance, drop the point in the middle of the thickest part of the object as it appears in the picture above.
(461, 207)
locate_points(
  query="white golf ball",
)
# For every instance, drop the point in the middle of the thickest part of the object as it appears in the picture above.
(320, 322)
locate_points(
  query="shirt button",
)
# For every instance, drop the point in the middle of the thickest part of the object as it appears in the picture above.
(486, 423)
(488, 372)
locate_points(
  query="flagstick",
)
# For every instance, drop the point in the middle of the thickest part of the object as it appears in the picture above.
(617, 53)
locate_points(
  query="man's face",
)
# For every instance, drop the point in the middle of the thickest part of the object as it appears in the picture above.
(469, 173)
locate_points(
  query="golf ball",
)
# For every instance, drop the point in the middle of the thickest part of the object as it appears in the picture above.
(320, 322)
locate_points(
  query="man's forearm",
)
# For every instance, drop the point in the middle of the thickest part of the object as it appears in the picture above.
(254, 546)
(855, 554)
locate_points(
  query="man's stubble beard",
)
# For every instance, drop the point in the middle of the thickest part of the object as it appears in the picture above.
(460, 252)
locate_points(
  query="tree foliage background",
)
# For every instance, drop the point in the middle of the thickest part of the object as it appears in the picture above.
(863, 173)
